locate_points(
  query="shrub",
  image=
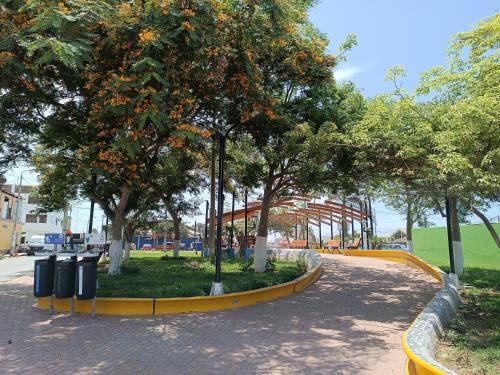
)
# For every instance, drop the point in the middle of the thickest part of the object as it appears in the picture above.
(168, 258)
(301, 265)
(271, 264)
(246, 265)
(193, 265)
(130, 269)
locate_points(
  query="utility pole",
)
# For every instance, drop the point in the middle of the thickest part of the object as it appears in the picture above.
(14, 232)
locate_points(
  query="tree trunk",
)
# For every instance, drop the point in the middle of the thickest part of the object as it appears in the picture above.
(177, 234)
(261, 240)
(409, 227)
(458, 255)
(211, 232)
(486, 222)
(115, 250)
(176, 219)
(129, 237)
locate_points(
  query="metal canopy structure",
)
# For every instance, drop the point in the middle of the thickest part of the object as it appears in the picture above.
(304, 211)
(299, 207)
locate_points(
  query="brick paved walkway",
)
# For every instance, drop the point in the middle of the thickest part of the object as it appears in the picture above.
(349, 322)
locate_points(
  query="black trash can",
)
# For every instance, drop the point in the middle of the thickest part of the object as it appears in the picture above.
(86, 279)
(44, 277)
(65, 278)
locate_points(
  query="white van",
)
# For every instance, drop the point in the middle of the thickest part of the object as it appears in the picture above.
(35, 243)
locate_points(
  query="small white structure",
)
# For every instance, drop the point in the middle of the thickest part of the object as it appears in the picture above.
(33, 223)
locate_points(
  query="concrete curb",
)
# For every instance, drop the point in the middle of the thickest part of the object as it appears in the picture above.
(421, 339)
(163, 306)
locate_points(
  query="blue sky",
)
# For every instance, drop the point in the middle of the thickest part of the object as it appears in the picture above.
(414, 34)
(390, 32)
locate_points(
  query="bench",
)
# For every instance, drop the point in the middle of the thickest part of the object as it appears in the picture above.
(333, 245)
(298, 244)
(354, 244)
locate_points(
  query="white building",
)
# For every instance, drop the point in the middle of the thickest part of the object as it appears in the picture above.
(33, 223)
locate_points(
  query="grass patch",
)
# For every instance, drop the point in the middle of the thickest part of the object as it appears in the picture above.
(472, 343)
(146, 275)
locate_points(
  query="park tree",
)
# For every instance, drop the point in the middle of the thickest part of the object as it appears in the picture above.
(148, 70)
(408, 202)
(288, 59)
(41, 44)
(448, 144)
(177, 184)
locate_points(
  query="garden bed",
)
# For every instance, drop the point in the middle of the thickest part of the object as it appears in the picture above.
(472, 343)
(147, 275)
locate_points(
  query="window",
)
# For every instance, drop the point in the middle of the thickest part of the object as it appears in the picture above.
(5, 208)
(33, 200)
(42, 219)
(30, 218)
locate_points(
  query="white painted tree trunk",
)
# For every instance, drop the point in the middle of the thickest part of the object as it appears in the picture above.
(409, 245)
(260, 254)
(115, 257)
(177, 247)
(458, 257)
(127, 251)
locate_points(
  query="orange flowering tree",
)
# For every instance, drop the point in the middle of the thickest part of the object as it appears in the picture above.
(41, 43)
(138, 88)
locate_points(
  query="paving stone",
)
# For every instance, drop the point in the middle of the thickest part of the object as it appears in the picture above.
(349, 322)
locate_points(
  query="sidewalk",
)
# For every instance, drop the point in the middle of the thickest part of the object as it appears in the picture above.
(350, 322)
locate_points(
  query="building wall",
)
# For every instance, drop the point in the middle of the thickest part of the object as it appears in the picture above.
(7, 213)
(51, 222)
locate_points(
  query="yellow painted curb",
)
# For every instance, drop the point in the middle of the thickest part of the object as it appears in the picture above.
(161, 306)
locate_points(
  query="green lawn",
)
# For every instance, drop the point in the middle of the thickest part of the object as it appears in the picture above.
(472, 343)
(147, 275)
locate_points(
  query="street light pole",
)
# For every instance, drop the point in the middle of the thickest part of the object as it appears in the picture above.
(307, 232)
(217, 288)
(320, 240)
(206, 222)
(232, 224)
(246, 222)
(362, 225)
(331, 228)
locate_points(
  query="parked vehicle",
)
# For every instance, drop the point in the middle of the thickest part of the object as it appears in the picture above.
(34, 244)
(393, 246)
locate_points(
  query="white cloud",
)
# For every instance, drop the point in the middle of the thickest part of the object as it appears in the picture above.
(347, 73)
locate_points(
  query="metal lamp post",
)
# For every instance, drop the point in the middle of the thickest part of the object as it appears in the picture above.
(217, 288)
